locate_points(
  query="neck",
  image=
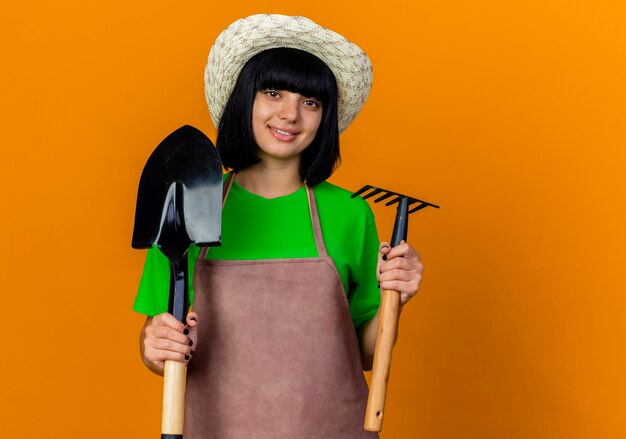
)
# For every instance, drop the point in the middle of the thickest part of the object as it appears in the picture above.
(270, 181)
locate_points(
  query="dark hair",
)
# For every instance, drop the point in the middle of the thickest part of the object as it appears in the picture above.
(281, 69)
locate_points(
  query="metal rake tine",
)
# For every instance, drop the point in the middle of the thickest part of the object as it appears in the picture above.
(384, 197)
(388, 194)
(376, 191)
(360, 191)
(426, 203)
(420, 207)
(394, 201)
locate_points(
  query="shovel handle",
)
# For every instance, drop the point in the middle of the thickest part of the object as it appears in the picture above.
(385, 339)
(173, 400)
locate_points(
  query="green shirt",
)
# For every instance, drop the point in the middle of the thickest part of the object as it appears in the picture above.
(256, 228)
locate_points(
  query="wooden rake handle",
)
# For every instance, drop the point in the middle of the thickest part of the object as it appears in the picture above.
(173, 400)
(385, 339)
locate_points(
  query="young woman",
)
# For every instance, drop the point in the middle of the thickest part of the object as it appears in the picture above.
(285, 312)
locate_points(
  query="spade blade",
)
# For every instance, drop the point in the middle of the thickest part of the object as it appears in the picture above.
(179, 200)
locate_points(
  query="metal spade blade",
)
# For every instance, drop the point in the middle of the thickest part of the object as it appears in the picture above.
(184, 170)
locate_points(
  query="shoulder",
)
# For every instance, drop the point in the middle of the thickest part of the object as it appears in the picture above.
(332, 199)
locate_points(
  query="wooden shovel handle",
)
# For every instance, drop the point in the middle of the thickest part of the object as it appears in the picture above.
(173, 400)
(385, 339)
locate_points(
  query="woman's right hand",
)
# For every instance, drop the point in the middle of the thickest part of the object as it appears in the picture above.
(163, 337)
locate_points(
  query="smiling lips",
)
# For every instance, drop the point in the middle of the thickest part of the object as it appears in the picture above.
(283, 134)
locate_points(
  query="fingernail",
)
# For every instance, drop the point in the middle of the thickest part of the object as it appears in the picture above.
(186, 331)
(190, 343)
(384, 257)
(193, 318)
(186, 357)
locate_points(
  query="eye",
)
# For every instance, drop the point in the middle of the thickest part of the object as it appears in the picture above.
(313, 103)
(271, 93)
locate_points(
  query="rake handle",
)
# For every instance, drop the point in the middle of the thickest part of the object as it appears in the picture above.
(385, 339)
(386, 333)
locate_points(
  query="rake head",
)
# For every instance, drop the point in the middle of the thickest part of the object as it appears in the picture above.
(386, 194)
(400, 228)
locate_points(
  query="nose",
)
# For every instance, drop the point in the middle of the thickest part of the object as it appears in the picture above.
(290, 107)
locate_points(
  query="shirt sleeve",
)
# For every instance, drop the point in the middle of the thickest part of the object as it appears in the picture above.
(364, 293)
(154, 286)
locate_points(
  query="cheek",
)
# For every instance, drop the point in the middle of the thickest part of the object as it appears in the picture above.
(256, 132)
(258, 121)
(256, 114)
(315, 123)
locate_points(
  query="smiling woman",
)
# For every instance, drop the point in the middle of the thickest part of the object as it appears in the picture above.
(285, 312)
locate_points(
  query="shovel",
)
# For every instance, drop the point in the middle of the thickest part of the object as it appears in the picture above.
(389, 307)
(179, 203)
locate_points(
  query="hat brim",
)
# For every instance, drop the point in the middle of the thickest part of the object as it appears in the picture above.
(248, 36)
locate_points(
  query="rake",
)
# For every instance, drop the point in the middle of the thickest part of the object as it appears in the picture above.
(389, 306)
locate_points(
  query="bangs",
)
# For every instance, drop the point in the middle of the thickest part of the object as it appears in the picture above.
(296, 71)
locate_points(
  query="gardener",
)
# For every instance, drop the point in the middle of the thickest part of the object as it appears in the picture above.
(284, 313)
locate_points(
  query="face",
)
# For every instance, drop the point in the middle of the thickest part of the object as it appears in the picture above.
(284, 123)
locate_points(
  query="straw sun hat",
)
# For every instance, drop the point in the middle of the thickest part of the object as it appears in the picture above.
(248, 36)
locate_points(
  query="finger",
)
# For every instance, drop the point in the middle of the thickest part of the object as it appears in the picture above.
(397, 274)
(192, 319)
(162, 331)
(403, 250)
(383, 251)
(157, 356)
(193, 340)
(400, 280)
(406, 264)
(167, 319)
(162, 344)
(157, 332)
(402, 287)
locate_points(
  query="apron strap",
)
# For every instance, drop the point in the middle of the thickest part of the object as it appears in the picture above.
(225, 190)
(315, 219)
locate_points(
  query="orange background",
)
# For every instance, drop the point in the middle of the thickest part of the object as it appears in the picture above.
(508, 114)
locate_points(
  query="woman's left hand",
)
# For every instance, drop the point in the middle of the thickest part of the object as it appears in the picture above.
(399, 269)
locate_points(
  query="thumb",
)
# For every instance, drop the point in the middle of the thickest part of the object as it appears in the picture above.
(192, 319)
(192, 325)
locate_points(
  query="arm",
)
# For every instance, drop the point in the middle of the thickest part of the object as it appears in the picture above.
(398, 269)
(367, 340)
